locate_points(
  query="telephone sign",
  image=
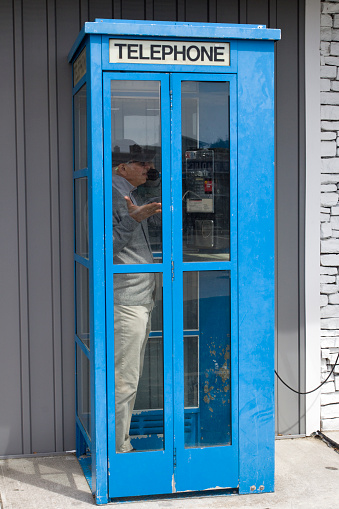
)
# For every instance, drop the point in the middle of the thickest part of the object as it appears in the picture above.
(168, 52)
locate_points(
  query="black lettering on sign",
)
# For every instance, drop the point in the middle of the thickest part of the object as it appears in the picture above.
(189, 53)
(132, 48)
(218, 52)
(166, 51)
(141, 56)
(204, 53)
(120, 46)
(177, 52)
(155, 49)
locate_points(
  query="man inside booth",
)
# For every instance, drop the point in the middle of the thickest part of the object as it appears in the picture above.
(133, 292)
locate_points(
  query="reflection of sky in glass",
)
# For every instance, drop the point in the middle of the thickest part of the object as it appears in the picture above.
(143, 129)
(212, 105)
(136, 111)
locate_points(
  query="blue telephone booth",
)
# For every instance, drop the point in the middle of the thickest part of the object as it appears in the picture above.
(174, 257)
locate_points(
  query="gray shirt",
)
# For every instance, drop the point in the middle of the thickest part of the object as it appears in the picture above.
(130, 245)
(123, 186)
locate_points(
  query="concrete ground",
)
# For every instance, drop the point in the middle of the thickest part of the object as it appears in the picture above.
(307, 476)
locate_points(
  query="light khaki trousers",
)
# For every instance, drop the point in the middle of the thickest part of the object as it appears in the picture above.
(132, 325)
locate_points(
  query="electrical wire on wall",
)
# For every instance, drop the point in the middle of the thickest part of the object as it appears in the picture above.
(313, 390)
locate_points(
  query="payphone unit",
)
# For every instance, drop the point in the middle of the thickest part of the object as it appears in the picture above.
(205, 182)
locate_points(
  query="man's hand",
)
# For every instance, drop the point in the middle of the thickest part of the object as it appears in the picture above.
(139, 213)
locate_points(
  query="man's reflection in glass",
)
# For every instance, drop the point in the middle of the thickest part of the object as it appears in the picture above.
(133, 292)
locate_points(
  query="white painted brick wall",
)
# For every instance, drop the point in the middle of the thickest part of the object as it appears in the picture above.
(329, 424)
(329, 213)
(329, 7)
(329, 334)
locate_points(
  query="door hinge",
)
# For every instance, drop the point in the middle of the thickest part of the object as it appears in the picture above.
(175, 457)
(171, 99)
(172, 270)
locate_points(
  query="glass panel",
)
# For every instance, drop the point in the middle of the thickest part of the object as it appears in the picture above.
(139, 372)
(81, 217)
(191, 316)
(80, 129)
(191, 371)
(83, 390)
(207, 363)
(82, 304)
(150, 395)
(205, 171)
(136, 162)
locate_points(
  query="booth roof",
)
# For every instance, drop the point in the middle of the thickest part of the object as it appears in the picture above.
(175, 30)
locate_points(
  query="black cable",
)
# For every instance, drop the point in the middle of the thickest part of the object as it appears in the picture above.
(328, 441)
(313, 390)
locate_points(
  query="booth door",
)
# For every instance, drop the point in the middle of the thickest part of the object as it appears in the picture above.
(182, 128)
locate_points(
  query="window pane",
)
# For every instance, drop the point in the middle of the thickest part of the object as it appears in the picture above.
(82, 304)
(83, 390)
(80, 129)
(81, 217)
(205, 171)
(138, 351)
(191, 371)
(136, 163)
(207, 364)
(191, 288)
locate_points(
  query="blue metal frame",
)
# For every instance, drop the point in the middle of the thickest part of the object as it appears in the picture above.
(83, 441)
(154, 468)
(221, 462)
(188, 463)
(251, 265)
(97, 274)
(256, 265)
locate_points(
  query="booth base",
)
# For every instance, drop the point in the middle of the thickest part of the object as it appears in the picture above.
(176, 496)
(86, 465)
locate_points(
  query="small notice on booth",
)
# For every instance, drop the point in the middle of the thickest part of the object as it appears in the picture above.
(168, 52)
(79, 67)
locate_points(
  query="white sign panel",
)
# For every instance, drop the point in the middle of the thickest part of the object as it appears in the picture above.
(168, 52)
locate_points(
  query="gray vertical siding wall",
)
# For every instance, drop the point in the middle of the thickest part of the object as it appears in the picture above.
(290, 203)
(37, 359)
(36, 220)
